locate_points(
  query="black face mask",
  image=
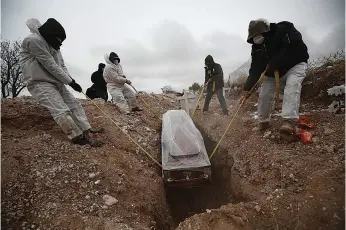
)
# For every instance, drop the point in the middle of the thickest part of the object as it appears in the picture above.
(208, 64)
(53, 33)
(113, 56)
(54, 42)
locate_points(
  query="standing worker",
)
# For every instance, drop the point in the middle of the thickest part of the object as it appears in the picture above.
(214, 83)
(100, 84)
(277, 47)
(124, 97)
(46, 75)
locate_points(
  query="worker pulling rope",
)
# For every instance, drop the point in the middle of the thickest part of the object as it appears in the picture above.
(126, 134)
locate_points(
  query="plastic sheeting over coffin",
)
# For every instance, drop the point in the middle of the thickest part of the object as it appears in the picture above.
(182, 143)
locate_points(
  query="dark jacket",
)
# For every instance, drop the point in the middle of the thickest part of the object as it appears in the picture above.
(97, 78)
(213, 73)
(92, 92)
(282, 49)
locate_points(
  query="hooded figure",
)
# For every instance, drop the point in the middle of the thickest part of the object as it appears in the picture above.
(277, 46)
(214, 83)
(118, 86)
(46, 75)
(99, 88)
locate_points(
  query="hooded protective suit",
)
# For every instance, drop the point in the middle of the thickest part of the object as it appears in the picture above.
(46, 75)
(123, 96)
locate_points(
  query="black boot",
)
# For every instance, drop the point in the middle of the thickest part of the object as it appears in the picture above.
(81, 140)
(136, 109)
(84, 139)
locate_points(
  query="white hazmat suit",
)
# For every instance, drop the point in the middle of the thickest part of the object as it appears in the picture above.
(124, 97)
(46, 75)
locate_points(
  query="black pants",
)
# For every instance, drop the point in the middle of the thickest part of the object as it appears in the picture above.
(219, 96)
(102, 93)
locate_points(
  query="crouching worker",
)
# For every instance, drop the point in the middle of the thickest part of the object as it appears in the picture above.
(214, 82)
(118, 86)
(99, 86)
(277, 46)
(46, 75)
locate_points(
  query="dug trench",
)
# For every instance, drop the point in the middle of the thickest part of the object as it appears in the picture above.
(186, 202)
(52, 184)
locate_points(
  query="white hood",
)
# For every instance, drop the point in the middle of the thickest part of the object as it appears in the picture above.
(33, 24)
(107, 59)
(113, 74)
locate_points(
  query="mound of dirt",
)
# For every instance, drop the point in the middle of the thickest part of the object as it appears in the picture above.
(319, 80)
(275, 184)
(49, 183)
(258, 181)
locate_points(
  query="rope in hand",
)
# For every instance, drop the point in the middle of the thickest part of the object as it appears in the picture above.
(126, 134)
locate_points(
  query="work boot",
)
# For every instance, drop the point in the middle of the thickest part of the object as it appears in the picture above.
(262, 126)
(288, 127)
(225, 112)
(86, 140)
(136, 109)
(288, 131)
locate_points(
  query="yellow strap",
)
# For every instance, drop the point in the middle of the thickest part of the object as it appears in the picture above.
(131, 139)
(147, 105)
(223, 135)
(277, 87)
(199, 98)
(260, 80)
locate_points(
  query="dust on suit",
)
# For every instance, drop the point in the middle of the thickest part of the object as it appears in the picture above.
(123, 96)
(45, 76)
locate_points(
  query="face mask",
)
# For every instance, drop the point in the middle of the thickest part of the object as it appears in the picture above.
(258, 39)
(116, 61)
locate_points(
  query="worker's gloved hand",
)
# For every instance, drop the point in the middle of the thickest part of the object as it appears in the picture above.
(75, 86)
(128, 82)
(244, 97)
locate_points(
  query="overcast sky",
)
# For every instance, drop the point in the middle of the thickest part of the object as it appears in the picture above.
(165, 42)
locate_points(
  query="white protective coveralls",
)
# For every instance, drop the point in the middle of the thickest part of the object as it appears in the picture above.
(124, 97)
(291, 83)
(45, 76)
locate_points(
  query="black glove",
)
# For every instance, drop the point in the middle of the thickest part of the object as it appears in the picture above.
(75, 86)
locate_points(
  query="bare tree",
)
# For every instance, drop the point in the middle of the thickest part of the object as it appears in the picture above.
(167, 89)
(12, 82)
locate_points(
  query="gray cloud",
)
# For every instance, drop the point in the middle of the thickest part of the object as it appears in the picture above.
(334, 41)
(180, 33)
(176, 55)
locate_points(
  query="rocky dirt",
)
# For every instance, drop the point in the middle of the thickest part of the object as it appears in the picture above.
(258, 180)
(49, 183)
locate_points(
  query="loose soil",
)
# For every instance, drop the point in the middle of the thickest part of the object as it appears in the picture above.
(258, 180)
